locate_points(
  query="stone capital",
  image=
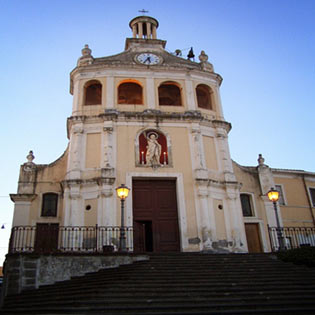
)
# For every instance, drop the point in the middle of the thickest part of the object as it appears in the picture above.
(108, 129)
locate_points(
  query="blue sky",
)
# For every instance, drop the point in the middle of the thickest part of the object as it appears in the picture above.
(264, 51)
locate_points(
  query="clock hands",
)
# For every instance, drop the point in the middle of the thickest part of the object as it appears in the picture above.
(147, 60)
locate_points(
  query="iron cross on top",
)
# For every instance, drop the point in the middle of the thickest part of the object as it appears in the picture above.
(143, 11)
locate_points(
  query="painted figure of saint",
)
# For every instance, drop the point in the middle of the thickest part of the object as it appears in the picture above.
(153, 149)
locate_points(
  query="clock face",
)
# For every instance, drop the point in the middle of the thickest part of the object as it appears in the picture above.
(148, 59)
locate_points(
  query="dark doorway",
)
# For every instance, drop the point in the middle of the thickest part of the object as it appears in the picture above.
(143, 236)
(46, 240)
(155, 217)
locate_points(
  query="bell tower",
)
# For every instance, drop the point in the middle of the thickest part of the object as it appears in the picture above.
(144, 34)
(144, 27)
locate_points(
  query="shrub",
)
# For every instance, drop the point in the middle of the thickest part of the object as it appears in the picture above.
(299, 256)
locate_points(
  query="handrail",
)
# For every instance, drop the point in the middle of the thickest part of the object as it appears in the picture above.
(52, 238)
(285, 238)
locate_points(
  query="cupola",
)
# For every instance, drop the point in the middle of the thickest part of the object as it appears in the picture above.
(144, 33)
(144, 27)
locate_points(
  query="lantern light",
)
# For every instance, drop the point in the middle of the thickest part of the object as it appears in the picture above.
(122, 192)
(273, 195)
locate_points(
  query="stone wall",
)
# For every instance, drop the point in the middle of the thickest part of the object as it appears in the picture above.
(29, 271)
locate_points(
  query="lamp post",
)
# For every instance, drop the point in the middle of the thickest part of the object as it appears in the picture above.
(273, 196)
(122, 193)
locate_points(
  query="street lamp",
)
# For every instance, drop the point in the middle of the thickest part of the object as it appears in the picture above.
(122, 193)
(273, 196)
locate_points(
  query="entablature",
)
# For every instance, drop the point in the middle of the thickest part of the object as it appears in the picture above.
(150, 115)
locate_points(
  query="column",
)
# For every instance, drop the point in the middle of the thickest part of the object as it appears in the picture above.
(153, 31)
(140, 28)
(134, 31)
(148, 30)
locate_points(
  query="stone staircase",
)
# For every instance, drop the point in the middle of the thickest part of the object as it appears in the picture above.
(179, 283)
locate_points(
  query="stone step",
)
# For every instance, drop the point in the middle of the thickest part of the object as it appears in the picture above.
(143, 293)
(293, 307)
(186, 283)
(157, 300)
(158, 291)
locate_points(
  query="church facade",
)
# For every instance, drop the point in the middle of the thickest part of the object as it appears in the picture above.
(153, 121)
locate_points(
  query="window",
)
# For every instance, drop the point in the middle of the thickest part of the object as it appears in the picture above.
(130, 93)
(246, 205)
(93, 93)
(169, 94)
(49, 205)
(203, 93)
(281, 196)
(312, 194)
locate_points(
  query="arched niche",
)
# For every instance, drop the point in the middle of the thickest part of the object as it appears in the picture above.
(93, 93)
(153, 148)
(130, 93)
(204, 96)
(169, 94)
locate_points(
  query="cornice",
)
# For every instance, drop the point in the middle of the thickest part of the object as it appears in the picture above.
(150, 115)
(22, 197)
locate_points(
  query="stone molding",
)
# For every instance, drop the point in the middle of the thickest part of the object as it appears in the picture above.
(23, 197)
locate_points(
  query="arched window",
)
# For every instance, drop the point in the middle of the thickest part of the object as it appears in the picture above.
(93, 93)
(204, 96)
(49, 205)
(169, 94)
(247, 207)
(130, 93)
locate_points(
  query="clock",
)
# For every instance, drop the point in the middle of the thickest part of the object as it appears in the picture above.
(148, 59)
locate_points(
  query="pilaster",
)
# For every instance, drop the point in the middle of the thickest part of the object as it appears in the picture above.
(191, 104)
(237, 229)
(150, 92)
(76, 151)
(22, 208)
(207, 234)
(266, 182)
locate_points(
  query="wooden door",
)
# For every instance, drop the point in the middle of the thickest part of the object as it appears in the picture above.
(155, 216)
(253, 237)
(46, 239)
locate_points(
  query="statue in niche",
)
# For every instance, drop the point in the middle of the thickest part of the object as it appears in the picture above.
(154, 149)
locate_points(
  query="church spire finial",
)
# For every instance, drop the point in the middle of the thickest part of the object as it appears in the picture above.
(143, 11)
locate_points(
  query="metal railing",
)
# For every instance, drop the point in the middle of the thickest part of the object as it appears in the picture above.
(291, 237)
(52, 238)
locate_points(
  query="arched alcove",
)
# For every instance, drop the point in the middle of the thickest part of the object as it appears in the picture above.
(169, 94)
(152, 148)
(204, 96)
(130, 93)
(93, 93)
